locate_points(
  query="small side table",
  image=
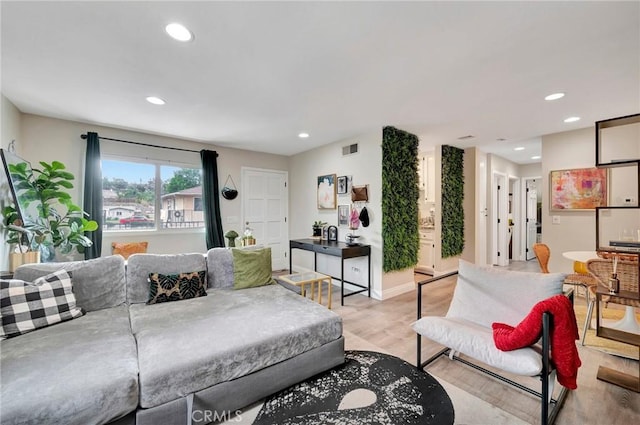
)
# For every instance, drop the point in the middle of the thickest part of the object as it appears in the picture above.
(314, 279)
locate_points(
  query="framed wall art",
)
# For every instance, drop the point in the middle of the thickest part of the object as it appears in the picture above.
(578, 189)
(343, 215)
(344, 185)
(326, 190)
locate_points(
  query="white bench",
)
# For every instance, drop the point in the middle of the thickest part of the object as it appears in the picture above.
(484, 295)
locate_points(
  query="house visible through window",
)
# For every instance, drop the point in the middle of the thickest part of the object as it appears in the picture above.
(148, 196)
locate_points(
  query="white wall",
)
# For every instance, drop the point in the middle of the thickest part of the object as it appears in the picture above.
(48, 139)
(576, 230)
(365, 167)
(10, 130)
(531, 170)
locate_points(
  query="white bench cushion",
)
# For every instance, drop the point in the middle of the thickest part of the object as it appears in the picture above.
(477, 341)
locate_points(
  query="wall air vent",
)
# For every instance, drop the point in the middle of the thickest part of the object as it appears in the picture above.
(350, 149)
(467, 137)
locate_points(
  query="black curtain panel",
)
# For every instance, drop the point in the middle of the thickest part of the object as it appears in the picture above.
(93, 194)
(211, 199)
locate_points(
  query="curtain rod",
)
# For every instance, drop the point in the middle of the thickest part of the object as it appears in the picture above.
(84, 136)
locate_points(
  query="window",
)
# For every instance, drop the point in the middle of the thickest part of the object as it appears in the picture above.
(149, 196)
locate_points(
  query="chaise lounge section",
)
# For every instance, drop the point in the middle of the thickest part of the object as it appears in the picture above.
(158, 364)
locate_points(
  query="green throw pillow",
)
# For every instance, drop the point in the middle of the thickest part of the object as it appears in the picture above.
(251, 268)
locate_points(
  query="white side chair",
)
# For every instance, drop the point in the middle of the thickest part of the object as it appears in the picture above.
(484, 295)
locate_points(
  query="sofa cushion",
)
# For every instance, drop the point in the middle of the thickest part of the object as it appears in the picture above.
(27, 306)
(251, 268)
(139, 266)
(127, 249)
(97, 283)
(484, 295)
(176, 287)
(477, 341)
(220, 268)
(84, 371)
(223, 336)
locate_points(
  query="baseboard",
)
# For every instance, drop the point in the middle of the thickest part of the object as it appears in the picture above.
(398, 290)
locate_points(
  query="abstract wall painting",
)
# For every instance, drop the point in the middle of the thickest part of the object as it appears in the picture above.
(578, 189)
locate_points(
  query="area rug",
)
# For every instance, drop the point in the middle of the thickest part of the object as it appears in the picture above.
(605, 345)
(369, 387)
(468, 409)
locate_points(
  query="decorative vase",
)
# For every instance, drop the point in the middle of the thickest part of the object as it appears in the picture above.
(317, 231)
(17, 259)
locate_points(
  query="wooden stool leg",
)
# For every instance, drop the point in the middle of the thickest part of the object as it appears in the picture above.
(329, 291)
(311, 285)
(319, 283)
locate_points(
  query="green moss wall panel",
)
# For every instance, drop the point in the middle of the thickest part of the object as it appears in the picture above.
(452, 197)
(399, 199)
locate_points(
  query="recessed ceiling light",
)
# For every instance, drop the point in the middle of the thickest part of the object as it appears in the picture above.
(536, 157)
(179, 32)
(572, 119)
(303, 135)
(519, 148)
(554, 96)
(155, 100)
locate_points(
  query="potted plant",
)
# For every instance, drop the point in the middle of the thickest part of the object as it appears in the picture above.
(54, 228)
(317, 227)
(231, 236)
(247, 237)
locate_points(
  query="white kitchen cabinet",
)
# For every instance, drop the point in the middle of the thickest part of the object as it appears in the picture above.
(426, 257)
(427, 176)
(429, 171)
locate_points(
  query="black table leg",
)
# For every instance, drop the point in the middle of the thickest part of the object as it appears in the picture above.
(341, 280)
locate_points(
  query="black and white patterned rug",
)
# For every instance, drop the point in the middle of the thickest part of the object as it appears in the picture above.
(369, 388)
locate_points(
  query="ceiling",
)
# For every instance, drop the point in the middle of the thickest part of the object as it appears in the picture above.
(258, 73)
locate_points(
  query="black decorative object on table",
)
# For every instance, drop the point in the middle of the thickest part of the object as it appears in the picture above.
(369, 388)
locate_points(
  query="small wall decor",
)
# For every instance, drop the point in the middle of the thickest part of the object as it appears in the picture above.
(578, 189)
(229, 191)
(344, 185)
(343, 215)
(327, 192)
(360, 194)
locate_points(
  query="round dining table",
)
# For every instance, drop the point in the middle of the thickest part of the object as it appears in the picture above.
(581, 256)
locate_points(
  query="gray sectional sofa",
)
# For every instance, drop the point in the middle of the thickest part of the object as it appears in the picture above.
(128, 362)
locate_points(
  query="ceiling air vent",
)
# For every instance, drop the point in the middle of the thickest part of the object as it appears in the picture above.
(350, 149)
(467, 137)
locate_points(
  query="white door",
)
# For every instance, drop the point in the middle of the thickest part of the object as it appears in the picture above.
(499, 216)
(481, 223)
(531, 217)
(265, 203)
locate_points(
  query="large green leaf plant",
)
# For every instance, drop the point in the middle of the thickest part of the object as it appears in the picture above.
(59, 224)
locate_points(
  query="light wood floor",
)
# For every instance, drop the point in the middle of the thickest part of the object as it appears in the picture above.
(385, 326)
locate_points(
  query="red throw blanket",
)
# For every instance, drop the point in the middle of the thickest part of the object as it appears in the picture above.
(563, 335)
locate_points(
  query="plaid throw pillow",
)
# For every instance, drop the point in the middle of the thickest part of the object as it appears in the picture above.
(27, 306)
